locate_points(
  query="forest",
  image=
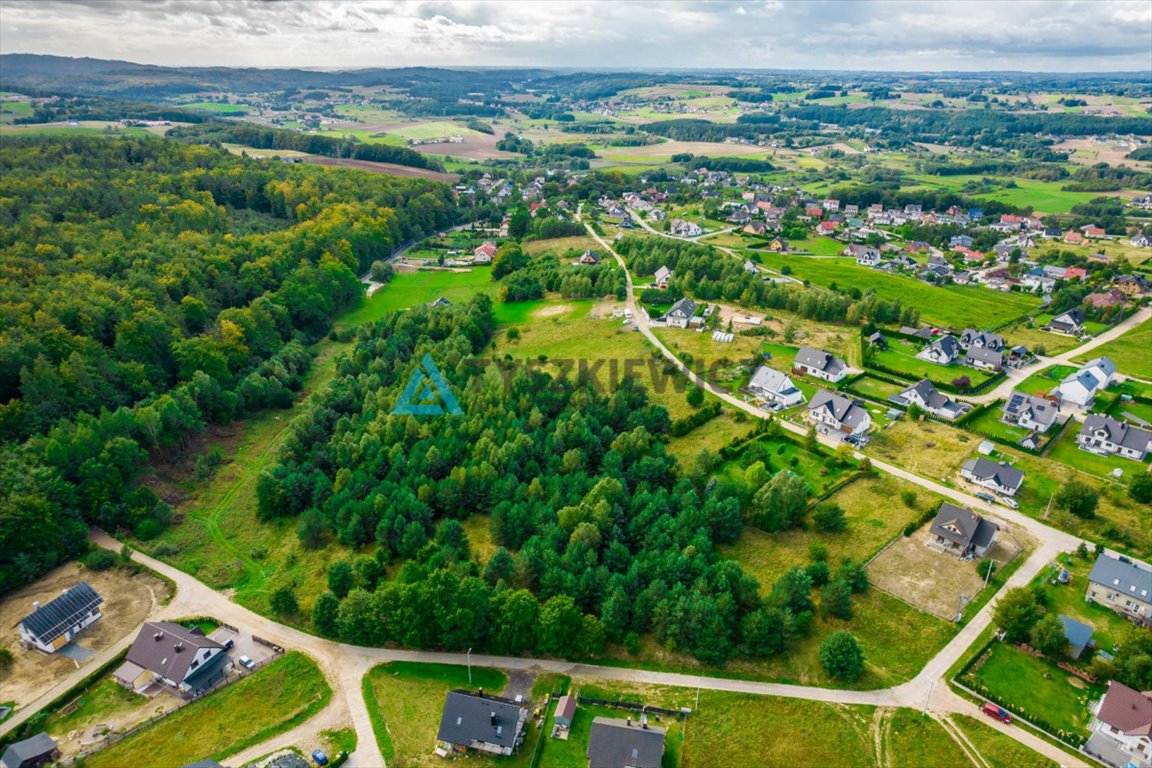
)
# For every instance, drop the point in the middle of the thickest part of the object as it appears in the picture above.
(602, 537)
(150, 287)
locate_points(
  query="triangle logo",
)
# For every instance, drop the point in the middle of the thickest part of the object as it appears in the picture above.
(427, 393)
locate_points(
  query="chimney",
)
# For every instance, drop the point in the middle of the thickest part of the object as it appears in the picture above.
(35, 605)
(158, 636)
(179, 646)
(644, 721)
(492, 718)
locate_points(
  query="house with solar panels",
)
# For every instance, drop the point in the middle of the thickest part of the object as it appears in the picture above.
(53, 625)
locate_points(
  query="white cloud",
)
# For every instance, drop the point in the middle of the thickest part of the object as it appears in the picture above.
(1068, 35)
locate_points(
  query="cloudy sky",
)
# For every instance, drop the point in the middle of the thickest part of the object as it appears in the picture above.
(1044, 35)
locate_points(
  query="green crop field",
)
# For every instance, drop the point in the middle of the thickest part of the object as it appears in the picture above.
(953, 305)
(283, 694)
(408, 289)
(1132, 352)
(220, 109)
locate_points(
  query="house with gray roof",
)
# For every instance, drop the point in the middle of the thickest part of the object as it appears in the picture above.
(970, 337)
(775, 387)
(925, 395)
(1123, 585)
(838, 414)
(53, 625)
(34, 752)
(1106, 436)
(622, 743)
(961, 531)
(1030, 412)
(1001, 478)
(680, 314)
(985, 359)
(169, 654)
(821, 364)
(662, 276)
(480, 721)
(943, 351)
(1070, 323)
(1082, 386)
(1078, 634)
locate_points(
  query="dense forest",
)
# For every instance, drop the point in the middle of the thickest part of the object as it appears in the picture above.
(148, 287)
(602, 538)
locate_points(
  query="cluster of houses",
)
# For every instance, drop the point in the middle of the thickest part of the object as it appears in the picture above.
(477, 722)
(974, 348)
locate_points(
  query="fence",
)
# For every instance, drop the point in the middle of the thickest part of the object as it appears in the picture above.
(267, 644)
(633, 706)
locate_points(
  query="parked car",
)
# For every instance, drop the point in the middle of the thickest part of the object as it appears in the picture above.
(229, 643)
(319, 757)
(1009, 502)
(247, 662)
(986, 497)
(996, 712)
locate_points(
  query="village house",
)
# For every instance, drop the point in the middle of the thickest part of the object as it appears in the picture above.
(1141, 241)
(972, 338)
(827, 227)
(169, 654)
(838, 414)
(681, 313)
(662, 277)
(481, 722)
(622, 743)
(756, 228)
(1000, 478)
(53, 625)
(1106, 436)
(943, 351)
(1070, 323)
(925, 395)
(1106, 299)
(1073, 238)
(1092, 232)
(985, 359)
(33, 752)
(588, 259)
(1132, 285)
(821, 364)
(1123, 586)
(961, 531)
(682, 228)
(1030, 412)
(1081, 387)
(657, 214)
(1122, 727)
(778, 245)
(865, 256)
(775, 387)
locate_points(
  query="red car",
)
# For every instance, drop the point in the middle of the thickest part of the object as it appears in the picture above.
(999, 713)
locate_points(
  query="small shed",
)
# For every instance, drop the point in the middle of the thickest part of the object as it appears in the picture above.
(565, 711)
(986, 448)
(34, 752)
(1079, 635)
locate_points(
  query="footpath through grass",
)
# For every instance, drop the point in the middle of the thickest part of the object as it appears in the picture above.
(254, 709)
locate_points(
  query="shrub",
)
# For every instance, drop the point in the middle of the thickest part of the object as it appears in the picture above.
(513, 334)
(100, 559)
(283, 602)
(829, 517)
(1078, 498)
(841, 657)
(986, 568)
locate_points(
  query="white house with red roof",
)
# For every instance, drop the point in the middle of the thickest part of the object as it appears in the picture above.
(1122, 727)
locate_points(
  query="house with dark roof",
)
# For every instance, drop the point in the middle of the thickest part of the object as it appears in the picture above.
(1030, 412)
(925, 395)
(970, 337)
(1078, 634)
(821, 364)
(680, 314)
(206, 763)
(1070, 323)
(169, 654)
(617, 743)
(1122, 727)
(838, 414)
(33, 752)
(961, 531)
(1001, 478)
(943, 351)
(1105, 436)
(53, 625)
(985, 359)
(1123, 585)
(476, 720)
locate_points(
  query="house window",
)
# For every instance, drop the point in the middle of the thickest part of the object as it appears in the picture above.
(194, 665)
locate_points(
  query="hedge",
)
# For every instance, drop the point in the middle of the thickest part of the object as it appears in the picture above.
(683, 426)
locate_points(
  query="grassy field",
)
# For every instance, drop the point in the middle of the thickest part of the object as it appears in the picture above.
(217, 108)
(902, 357)
(1046, 380)
(561, 245)
(407, 699)
(1132, 352)
(999, 750)
(922, 742)
(1066, 451)
(875, 388)
(285, 693)
(952, 305)
(408, 289)
(105, 701)
(1034, 687)
(989, 423)
(819, 471)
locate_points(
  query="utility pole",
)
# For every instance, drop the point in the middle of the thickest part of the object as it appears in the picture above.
(469, 658)
(931, 688)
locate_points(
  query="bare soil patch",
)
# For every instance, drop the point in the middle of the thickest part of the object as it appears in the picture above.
(552, 310)
(128, 600)
(929, 579)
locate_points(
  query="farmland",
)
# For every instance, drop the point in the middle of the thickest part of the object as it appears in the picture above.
(1132, 352)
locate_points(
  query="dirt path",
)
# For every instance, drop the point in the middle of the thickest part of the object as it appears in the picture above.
(966, 746)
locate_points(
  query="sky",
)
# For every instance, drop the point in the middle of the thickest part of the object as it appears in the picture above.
(916, 35)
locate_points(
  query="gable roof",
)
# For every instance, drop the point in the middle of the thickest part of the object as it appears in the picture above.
(931, 396)
(1077, 633)
(167, 649)
(962, 526)
(1126, 710)
(1073, 317)
(1103, 364)
(1084, 378)
(685, 305)
(615, 744)
(1036, 408)
(662, 274)
(820, 360)
(37, 746)
(1003, 475)
(984, 355)
(53, 619)
(1127, 578)
(848, 412)
(946, 344)
(771, 380)
(468, 717)
(1120, 432)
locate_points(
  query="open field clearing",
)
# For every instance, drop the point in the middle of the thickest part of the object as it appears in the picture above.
(128, 599)
(999, 750)
(284, 694)
(411, 288)
(391, 169)
(1132, 352)
(82, 128)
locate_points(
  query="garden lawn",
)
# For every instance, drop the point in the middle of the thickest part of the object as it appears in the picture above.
(1035, 688)
(104, 701)
(1132, 352)
(953, 305)
(1068, 599)
(408, 289)
(1046, 380)
(902, 358)
(1066, 451)
(877, 389)
(988, 423)
(406, 700)
(253, 709)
